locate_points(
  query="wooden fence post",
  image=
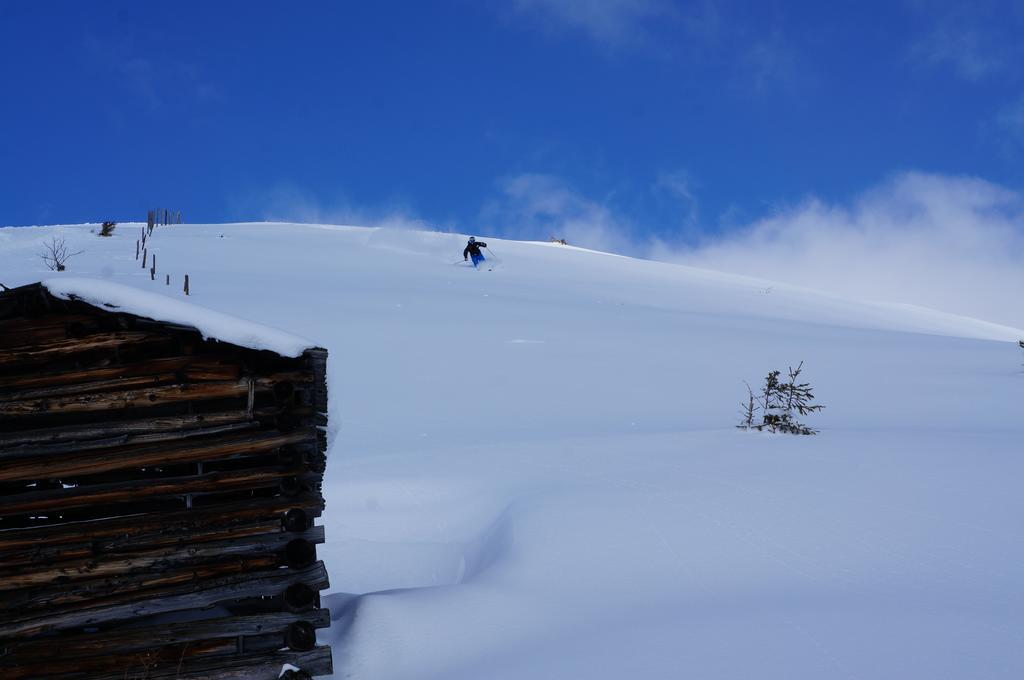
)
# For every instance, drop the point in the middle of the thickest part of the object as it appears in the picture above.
(144, 258)
(186, 284)
(168, 280)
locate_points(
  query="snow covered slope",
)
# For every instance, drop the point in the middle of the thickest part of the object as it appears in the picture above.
(534, 471)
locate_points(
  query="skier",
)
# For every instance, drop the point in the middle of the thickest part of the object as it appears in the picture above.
(473, 250)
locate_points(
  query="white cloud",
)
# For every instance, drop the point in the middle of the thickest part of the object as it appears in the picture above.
(954, 244)
(975, 38)
(288, 202)
(967, 51)
(609, 22)
(539, 207)
(701, 34)
(1010, 120)
(158, 79)
(951, 243)
(769, 61)
(680, 185)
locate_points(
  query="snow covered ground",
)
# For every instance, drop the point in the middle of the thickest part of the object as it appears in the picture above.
(534, 471)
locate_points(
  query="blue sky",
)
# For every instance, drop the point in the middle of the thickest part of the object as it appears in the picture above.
(666, 120)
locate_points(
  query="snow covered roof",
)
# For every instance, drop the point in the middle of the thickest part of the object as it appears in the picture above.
(212, 325)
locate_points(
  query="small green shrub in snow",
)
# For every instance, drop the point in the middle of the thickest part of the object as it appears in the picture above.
(780, 402)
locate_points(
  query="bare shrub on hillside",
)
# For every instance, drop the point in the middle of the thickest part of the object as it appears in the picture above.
(55, 254)
(748, 409)
(108, 228)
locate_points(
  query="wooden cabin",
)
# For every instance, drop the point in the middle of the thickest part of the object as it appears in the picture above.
(160, 480)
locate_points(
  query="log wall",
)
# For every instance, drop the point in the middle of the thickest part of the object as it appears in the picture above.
(158, 499)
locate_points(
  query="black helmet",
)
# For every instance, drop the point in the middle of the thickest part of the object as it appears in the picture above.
(472, 239)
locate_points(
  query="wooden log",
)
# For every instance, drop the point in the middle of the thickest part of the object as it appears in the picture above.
(135, 655)
(300, 635)
(301, 551)
(158, 395)
(58, 553)
(229, 445)
(135, 491)
(46, 351)
(196, 595)
(171, 426)
(296, 519)
(261, 666)
(315, 662)
(126, 399)
(296, 551)
(50, 324)
(123, 442)
(133, 639)
(143, 530)
(121, 383)
(46, 332)
(204, 367)
(127, 588)
(317, 359)
(131, 664)
(300, 597)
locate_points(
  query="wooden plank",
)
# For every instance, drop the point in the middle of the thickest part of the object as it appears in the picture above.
(160, 424)
(145, 398)
(58, 553)
(95, 386)
(315, 662)
(264, 666)
(121, 441)
(157, 559)
(76, 596)
(191, 367)
(11, 338)
(229, 445)
(125, 399)
(141, 530)
(317, 359)
(195, 595)
(125, 492)
(66, 322)
(13, 327)
(130, 665)
(132, 639)
(11, 356)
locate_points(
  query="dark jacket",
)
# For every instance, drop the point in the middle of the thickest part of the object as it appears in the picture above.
(473, 249)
